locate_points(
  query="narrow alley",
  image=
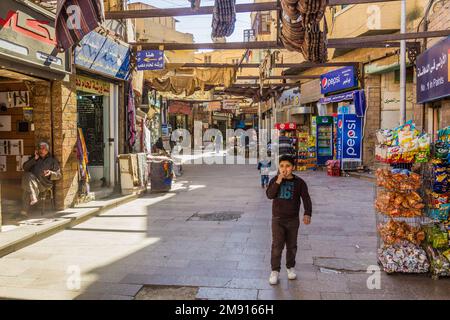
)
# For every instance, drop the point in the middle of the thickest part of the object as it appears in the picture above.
(209, 238)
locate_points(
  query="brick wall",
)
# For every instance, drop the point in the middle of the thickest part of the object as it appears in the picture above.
(65, 138)
(41, 102)
(444, 120)
(439, 19)
(373, 117)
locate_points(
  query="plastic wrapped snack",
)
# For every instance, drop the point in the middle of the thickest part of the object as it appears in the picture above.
(403, 257)
(398, 231)
(439, 264)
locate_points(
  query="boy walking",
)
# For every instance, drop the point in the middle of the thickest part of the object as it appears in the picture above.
(287, 191)
(264, 168)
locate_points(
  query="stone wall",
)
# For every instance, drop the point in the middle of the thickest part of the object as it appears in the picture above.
(373, 117)
(65, 139)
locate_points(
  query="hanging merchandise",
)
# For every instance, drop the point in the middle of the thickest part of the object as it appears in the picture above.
(131, 112)
(403, 257)
(301, 30)
(404, 144)
(224, 18)
(400, 204)
(68, 33)
(437, 193)
(82, 156)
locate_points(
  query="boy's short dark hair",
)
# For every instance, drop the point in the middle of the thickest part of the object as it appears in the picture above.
(286, 157)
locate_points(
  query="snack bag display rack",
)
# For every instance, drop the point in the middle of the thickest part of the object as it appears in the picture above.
(399, 206)
(437, 221)
(306, 151)
(412, 204)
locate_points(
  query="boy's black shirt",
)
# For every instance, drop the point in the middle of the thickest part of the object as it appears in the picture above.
(287, 197)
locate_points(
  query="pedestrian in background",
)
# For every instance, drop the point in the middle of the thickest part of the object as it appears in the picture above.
(264, 169)
(287, 191)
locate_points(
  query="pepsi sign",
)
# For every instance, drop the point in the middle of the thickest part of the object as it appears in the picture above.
(349, 136)
(338, 80)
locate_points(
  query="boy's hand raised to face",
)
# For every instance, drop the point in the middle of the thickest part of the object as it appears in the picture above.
(306, 219)
(280, 178)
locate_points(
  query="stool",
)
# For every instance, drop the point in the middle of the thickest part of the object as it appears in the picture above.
(46, 195)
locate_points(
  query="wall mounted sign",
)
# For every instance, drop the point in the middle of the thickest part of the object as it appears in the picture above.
(338, 80)
(15, 99)
(433, 72)
(104, 55)
(150, 60)
(20, 161)
(94, 86)
(5, 123)
(290, 98)
(3, 164)
(27, 34)
(286, 126)
(180, 107)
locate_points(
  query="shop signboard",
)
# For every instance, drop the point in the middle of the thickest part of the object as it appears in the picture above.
(286, 126)
(27, 35)
(290, 98)
(349, 139)
(103, 55)
(179, 107)
(358, 98)
(94, 86)
(338, 80)
(150, 60)
(433, 72)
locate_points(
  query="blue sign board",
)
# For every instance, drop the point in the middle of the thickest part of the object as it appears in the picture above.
(104, 55)
(433, 72)
(357, 96)
(150, 60)
(349, 140)
(338, 80)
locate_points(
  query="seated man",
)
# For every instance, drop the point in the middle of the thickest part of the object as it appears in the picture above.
(40, 172)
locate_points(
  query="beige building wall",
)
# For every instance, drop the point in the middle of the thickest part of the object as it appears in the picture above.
(162, 30)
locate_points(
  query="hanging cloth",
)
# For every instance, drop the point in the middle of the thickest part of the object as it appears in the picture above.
(75, 19)
(131, 112)
(82, 156)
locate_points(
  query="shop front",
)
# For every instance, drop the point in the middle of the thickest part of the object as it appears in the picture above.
(30, 76)
(103, 71)
(433, 85)
(342, 127)
(180, 115)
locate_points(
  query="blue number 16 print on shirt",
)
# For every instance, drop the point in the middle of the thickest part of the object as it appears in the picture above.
(287, 190)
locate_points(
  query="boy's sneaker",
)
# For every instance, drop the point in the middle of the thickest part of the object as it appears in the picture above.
(274, 277)
(291, 274)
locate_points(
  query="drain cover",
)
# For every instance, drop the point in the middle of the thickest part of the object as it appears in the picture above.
(159, 292)
(339, 264)
(216, 216)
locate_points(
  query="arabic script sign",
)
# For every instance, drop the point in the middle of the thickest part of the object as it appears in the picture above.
(338, 80)
(433, 72)
(94, 86)
(150, 60)
(104, 55)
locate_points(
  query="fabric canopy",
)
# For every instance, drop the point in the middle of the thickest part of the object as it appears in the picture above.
(187, 80)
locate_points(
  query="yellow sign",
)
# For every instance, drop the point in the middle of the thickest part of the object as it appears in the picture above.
(94, 86)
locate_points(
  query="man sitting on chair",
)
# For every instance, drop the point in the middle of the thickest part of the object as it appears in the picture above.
(40, 172)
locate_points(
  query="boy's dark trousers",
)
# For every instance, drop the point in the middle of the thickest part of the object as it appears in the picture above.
(284, 232)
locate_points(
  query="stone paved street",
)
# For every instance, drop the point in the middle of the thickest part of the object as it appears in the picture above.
(151, 241)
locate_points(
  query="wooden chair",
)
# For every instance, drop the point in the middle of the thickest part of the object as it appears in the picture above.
(44, 196)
